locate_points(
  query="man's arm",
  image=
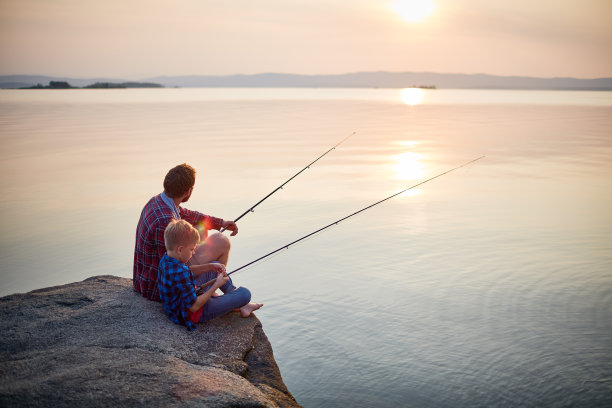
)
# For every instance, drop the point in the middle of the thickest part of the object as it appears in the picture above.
(195, 218)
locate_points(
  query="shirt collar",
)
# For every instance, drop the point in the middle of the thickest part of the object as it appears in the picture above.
(171, 260)
(170, 203)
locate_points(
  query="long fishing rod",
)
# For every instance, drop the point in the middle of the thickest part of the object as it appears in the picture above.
(294, 176)
(201, 288)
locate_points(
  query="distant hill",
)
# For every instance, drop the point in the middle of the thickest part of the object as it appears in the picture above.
(379, 79)
(386, 80)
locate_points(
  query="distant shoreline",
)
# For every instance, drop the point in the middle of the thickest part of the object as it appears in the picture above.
(97, 85)
(371, 80)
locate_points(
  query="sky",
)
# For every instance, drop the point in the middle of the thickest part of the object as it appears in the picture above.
(139, 39)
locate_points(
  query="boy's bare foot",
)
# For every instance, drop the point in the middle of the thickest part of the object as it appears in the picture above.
(246, 310)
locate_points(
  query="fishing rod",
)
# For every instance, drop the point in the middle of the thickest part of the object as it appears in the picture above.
(201, 288)
(294, 176)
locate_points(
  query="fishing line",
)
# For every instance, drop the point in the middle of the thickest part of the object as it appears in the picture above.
(286, 246)
(294, 176)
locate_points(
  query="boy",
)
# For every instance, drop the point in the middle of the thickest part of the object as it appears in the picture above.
(177, 286)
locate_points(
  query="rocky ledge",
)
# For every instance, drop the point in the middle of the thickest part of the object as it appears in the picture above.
(97, 343)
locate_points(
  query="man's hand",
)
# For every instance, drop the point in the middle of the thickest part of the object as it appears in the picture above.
(230, 225)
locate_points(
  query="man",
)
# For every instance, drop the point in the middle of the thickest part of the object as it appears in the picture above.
(211, 254)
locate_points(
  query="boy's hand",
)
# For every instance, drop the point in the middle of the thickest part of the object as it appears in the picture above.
(222, 279)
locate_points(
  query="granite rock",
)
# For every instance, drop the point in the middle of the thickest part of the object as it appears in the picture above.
(97, 343)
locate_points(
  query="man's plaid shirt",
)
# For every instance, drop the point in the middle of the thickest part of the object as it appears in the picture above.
(150, 245)
(176, 290)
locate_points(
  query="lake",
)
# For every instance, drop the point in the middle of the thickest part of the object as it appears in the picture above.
(488, 286)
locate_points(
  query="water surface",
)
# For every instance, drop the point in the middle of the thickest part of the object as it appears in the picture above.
(490, 286)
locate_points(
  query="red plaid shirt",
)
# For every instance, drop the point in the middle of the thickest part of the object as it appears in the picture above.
(150, 246)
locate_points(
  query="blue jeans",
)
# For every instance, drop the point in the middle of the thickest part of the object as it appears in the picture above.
(233, 298)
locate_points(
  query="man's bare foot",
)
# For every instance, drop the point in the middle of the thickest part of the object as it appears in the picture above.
(246, 310)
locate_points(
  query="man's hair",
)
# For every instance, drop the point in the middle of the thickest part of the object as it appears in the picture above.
(180, 232)
(179, 180)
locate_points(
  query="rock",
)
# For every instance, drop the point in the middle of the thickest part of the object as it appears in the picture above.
(97, 343)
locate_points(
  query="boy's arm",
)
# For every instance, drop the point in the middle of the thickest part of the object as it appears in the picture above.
(222, 278)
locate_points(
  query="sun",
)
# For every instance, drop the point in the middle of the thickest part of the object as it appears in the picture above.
(413, 10)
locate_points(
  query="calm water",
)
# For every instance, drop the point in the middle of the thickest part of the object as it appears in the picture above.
(490, 286)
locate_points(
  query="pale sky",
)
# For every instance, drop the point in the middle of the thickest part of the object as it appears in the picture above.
(137, 39)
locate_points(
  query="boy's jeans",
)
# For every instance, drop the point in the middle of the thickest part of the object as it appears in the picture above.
(233, 298)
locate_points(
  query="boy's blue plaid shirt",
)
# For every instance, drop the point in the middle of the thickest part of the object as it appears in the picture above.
(176, 289)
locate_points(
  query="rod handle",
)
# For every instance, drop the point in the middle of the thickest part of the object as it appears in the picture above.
(202, 287)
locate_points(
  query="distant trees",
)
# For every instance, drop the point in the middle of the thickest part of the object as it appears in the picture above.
(104, 85)
(112, 85)
(59, 85)
(97, 85)
(52, 85)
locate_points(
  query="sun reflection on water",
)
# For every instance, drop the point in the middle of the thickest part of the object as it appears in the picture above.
(412, 96)
(408, 143)
(408, 166)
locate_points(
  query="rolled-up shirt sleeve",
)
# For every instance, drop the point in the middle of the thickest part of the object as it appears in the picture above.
(195, 218)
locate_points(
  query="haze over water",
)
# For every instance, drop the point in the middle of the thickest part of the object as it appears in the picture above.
(490, 286)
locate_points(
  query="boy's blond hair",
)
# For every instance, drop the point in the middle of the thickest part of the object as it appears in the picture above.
(180, 232)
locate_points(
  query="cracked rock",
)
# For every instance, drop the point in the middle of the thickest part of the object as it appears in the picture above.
(97, 343)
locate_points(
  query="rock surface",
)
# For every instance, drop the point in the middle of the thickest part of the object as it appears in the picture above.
(97, 343)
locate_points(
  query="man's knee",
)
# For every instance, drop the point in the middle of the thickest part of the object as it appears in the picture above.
(219, 242)
(215, 248)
